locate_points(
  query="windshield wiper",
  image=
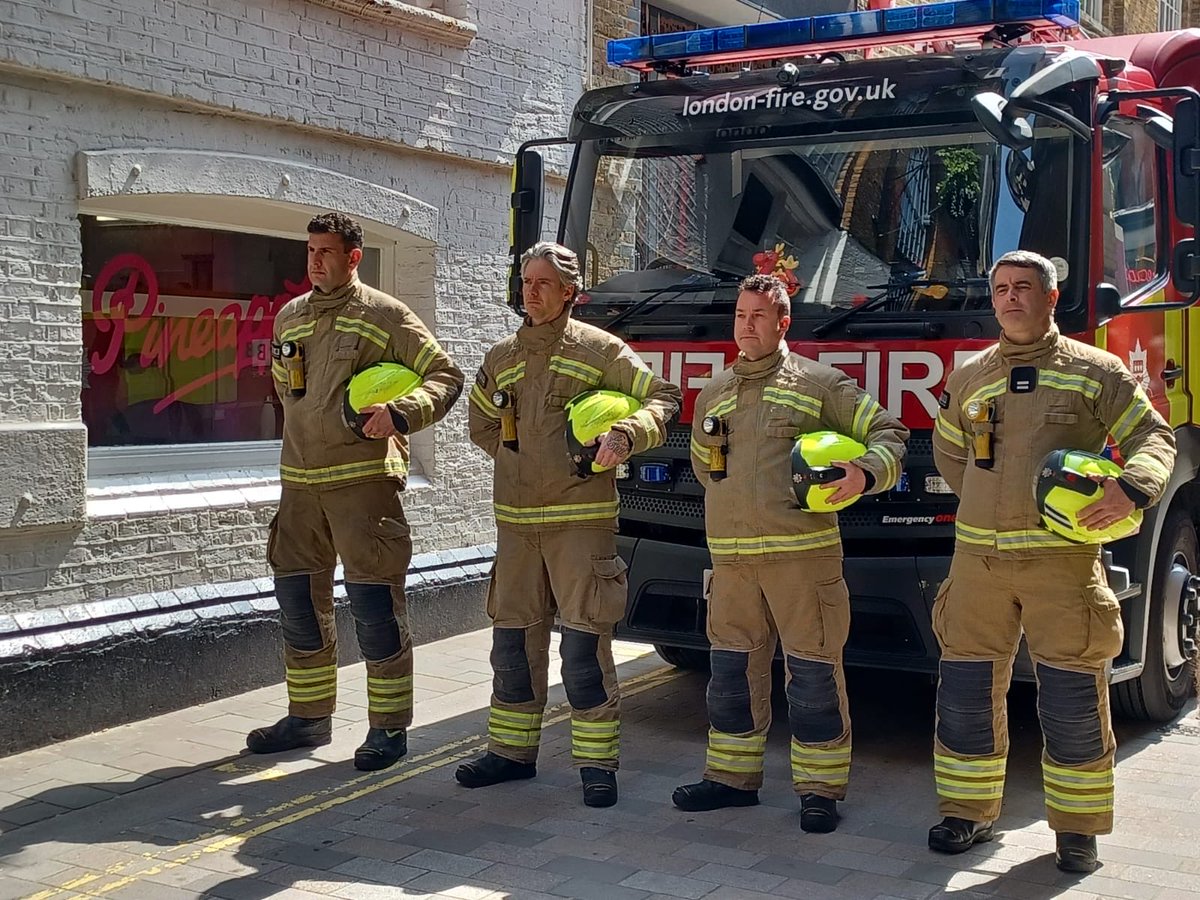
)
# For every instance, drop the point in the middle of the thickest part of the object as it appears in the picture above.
(681, 287)
(881, 298)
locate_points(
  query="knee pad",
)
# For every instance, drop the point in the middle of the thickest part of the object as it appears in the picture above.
(729, 708)
(511, 679)
(374, 620)
(582, 676)
(301, 631)
(1069, 710)
(814, 707)
(964, 707)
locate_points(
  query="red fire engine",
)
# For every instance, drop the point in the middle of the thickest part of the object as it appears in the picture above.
(879, 162)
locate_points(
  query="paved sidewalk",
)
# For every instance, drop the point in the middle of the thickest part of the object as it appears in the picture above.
(170, 808)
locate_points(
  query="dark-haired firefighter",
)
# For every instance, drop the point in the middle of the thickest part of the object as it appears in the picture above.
(555, 548)
(341, 494)
(777, 569)
(1002, 412)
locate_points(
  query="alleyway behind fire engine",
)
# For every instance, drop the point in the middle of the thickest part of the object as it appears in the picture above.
(168, 808)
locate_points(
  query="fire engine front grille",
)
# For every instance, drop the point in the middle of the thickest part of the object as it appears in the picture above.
(685, 475)
(679, 438)
(662, 505)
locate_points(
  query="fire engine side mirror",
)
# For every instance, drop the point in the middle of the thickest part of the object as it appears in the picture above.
(994, 114)
(526, 222)
(1186, 160)
(1108, 302)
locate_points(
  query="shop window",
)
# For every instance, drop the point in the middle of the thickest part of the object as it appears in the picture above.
(1130, 186)
(177, 328)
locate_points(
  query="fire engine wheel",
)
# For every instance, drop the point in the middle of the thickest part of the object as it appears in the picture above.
(1163, 688)
(684, 657)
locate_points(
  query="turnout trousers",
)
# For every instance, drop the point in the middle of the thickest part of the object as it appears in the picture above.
(1072, 624)
(363, 524)
(576, 574)
(805, 604)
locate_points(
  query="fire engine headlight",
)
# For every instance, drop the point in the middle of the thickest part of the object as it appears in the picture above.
(936, 484)
(787, 74)
(622, 471)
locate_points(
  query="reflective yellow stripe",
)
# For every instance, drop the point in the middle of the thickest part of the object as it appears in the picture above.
(969, 779)
(794, 399)
(701, 452)
(724, 408)
(974, 767)
(544, 515)
(372, 333)
(483, 402)
(822, 765)
(279, 371)
(1073, 777)
(515, 719)
(511, 375)
(1068, 381)
(320, 673)
(311, 695)
(1139, 407)
(391, 465)
(988, 391)
(719, 740)
(296, 332)
(890, 467)
(425, 356)
(743, 765)
(595, 740)
(390, 685)
(573, 368)
(645, 418)
(772, 543)
(642, 379)
(1079, 803)
(1028, 539)
(951, 433)
(1147, 461)
(741, 755)
(956, 790)
(514, 729)
(864, 413)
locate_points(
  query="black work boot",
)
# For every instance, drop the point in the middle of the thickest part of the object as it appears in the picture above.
(491, 769)
(955, 835)
(705, 795)
(599, 786)
(818, 815)
(382, 748)
(1075, 852)
(289, 733)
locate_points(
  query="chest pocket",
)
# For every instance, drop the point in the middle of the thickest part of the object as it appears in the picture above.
(346, 346)
(1060, 417)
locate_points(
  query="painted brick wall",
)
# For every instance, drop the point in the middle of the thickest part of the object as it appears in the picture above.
(279, 80)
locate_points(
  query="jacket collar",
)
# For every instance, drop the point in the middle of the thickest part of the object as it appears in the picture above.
(760, 368)
(1011, 352)
(546, 335)
(336, 297)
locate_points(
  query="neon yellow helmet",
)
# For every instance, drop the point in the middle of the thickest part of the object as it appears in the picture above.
(588, 416)
(1063, 489)
(380, 383)
(812, 468)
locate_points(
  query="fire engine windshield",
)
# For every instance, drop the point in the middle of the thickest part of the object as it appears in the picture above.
(911, 221)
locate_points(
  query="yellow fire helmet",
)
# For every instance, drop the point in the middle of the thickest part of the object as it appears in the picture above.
(380, 383)
(812, 468)
(588, 416)
(1063, 489)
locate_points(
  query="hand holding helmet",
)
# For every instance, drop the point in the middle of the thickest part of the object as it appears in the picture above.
(590, 417)
(822, 478)
(364, 408)
(1079, 499)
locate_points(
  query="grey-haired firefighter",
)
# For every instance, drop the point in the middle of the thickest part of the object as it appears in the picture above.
(777, 568)
(556, 550)
(341, 493)
(1003, 412)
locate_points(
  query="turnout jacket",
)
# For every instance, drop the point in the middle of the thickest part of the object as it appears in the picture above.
(752, 514)
(542, 367)
(342, 333)
(1054, 394)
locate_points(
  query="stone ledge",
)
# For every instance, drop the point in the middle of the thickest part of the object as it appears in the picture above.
(434, 25)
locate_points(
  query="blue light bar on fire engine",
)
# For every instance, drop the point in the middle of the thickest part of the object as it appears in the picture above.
(744, 42)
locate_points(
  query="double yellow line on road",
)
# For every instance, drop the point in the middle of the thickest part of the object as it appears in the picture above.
(310, 804)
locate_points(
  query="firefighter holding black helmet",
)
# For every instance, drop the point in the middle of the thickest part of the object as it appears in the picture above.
(1018, 437)
(357, 373)
(555, 520)
(783, 443)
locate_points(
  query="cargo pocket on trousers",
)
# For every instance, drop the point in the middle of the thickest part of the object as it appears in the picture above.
(1105, 630)
(272, 531)
(610, 588)
(939, 611)
(490, 603)
(833, 599)
(393, 549)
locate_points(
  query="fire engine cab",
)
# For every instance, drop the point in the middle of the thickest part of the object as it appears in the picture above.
(878, 162)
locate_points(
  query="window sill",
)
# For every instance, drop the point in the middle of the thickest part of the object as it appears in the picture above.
(433, 25)
(120, 496)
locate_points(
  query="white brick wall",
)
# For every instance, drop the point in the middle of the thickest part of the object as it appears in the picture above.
(280, 80)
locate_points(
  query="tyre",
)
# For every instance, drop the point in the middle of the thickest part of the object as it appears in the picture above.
(684, 657)
(1164, 686)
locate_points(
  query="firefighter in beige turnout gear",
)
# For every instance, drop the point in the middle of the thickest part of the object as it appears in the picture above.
(1002, 412)
(556, 550)
(341, 494)
(777, 570)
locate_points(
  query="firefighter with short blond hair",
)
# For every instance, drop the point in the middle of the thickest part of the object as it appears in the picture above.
(1004, 413)
(341, 483)
(555, 549)
(777, 568)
